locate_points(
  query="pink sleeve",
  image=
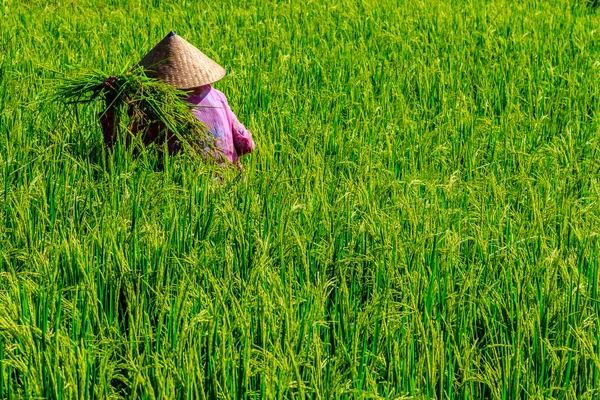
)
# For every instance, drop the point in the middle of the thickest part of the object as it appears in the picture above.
(242, 138)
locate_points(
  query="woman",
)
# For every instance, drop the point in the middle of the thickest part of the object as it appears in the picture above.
(179, 63)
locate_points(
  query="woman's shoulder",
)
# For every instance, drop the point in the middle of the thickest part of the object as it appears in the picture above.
(217, 94)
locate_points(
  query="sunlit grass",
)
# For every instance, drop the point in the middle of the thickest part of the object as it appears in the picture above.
(420, 218)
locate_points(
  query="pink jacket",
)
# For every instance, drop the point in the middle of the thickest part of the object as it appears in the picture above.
(231, 137)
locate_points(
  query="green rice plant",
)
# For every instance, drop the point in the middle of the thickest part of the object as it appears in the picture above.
(420, 219)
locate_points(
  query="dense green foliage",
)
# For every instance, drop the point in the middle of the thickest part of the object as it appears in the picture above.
(420, 218)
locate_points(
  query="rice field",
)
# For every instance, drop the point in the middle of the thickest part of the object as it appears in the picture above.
(420, 219)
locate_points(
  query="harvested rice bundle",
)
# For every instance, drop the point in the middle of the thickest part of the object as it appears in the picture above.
(138, 105)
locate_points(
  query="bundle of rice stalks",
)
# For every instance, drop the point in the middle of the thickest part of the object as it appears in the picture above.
(138, 101)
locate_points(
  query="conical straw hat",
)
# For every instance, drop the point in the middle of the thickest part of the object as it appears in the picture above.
(177, 62)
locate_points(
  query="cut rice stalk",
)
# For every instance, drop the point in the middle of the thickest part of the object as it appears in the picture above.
(139, 101)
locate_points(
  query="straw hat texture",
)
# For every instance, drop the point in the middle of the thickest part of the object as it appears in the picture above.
(177, 62)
